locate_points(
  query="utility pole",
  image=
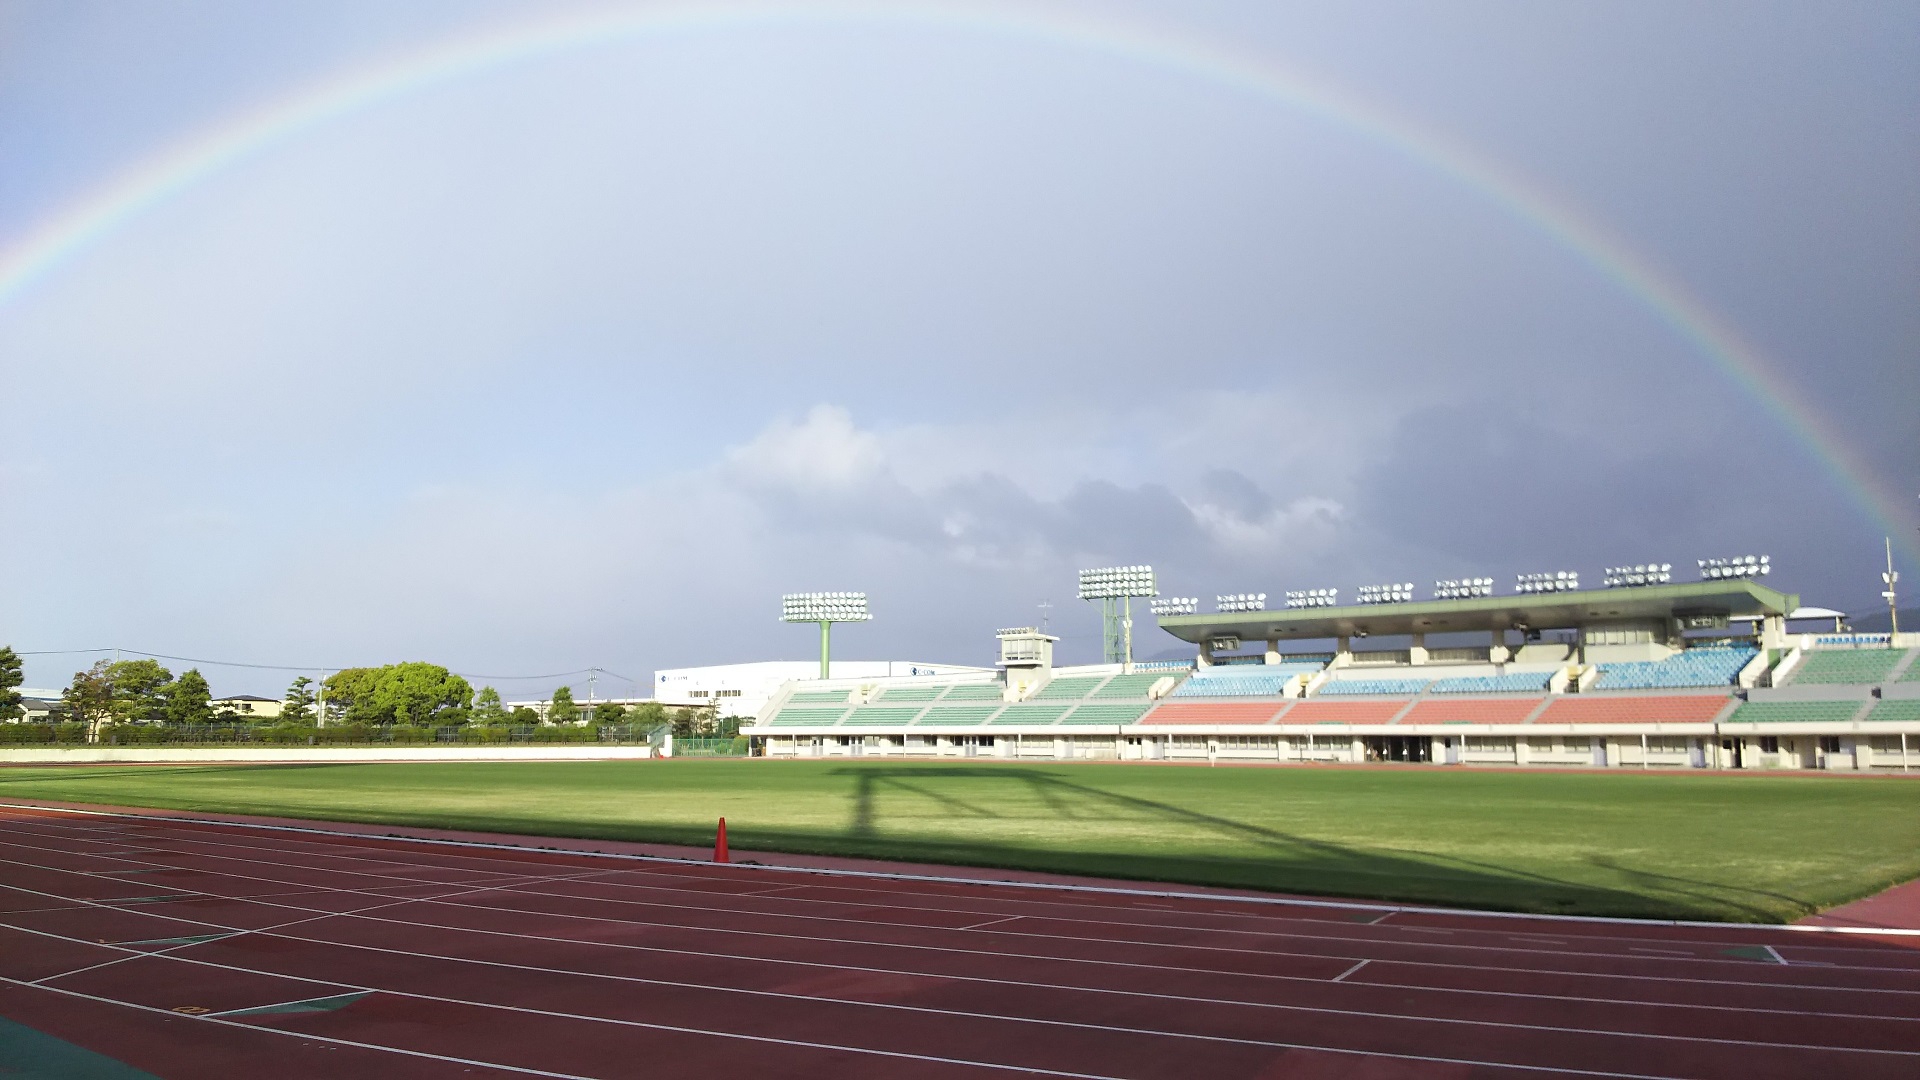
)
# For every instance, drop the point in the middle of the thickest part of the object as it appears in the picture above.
(1045, 607)
(1890, 577)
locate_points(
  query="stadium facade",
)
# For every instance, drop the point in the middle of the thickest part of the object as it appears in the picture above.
(1700, 675)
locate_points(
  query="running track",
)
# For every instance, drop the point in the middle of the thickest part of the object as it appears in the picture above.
(190, 948)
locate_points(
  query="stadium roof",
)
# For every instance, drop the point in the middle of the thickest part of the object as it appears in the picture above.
(1545, 611)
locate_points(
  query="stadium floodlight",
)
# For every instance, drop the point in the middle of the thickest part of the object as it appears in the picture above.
(1240, 601)
(1637, 575)
(1115, 587)
(825, 608)
(1312, 598)
(1015, 631)
(1740, 566)
(1175, 605)
(1462, 588)
(1557, 581)
(1391, 593)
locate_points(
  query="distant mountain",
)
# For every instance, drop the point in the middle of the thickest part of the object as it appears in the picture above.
(1876, 622)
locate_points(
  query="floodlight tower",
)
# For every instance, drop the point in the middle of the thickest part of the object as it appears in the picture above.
(1890, 578)
(825, 608)
(1115, 587)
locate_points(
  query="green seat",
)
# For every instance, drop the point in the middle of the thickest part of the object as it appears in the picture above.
(792, 717)
(871, 715)
(1794, 712)
(818, 697)
(910, 693)
(1895, 712)
(1031, 714)
(973, 692)
(957, 715)
(1853, 667)
(1107, 714)
(1068, 689)
(1128, 686)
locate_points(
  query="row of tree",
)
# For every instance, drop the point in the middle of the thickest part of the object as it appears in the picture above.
(427, 695)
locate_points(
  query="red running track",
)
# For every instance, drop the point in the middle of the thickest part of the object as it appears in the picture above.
(194, 948)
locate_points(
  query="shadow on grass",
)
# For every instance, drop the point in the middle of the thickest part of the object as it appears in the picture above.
(1287, 862)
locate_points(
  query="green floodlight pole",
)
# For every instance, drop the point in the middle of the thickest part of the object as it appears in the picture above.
(825, 608)
(1115, 587)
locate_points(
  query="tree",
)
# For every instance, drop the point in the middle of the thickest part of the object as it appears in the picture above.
(563, 710)
(524, 716)
(139, 689)
(89, 698)
(648, 715)
(10, 679)
(488, 708)
(298, 706)
(409, 693)
(189, 700)
(608, 713)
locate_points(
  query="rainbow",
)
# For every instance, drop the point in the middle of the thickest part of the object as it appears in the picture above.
(193, 160)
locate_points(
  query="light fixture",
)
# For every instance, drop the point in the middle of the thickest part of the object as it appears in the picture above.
(1244, 601)
(1637, 575)
(825, 608)
(1557, 581)
(1393, 593)
(1115, 587)
(1175, 605)
(1462, 588)
(1740, 566)
(1312, 598)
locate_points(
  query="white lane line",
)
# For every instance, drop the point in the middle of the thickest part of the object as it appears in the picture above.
(1040, 957)
(1342, 977)
(1662, 952)
(1775, 953)
(992, 922)
(1051, 886)
(953, 1013)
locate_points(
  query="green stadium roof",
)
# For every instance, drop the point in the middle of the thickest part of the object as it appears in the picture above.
(1545, 611)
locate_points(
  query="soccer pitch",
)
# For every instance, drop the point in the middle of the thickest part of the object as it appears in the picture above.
(1743, 848)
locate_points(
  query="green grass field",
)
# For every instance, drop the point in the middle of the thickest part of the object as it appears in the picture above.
(1747, 848)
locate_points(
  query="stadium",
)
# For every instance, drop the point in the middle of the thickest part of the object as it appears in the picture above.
(1646, 673)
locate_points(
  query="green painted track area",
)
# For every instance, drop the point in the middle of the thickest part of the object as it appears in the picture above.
(1743, 848)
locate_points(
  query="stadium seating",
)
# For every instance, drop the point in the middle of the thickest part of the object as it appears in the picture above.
(1912, 674)
(1342, 712)
(909, 693)
(1371, 687)
(1519, 682)
(1708, 666)
(957, 715)
(1250, 680)
(1107, 713)
(1220, 712)
(1031, 714)
(1070, 689)
(818, 697)
(1128, 686)
(789, 716)
(972, 692)
(1633, 709)
(1896, 712)
(1794, 712)
(1854, 667)
(868, 715)
(1471, 711)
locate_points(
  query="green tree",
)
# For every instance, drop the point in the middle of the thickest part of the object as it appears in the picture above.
(608, 713)
(89, 698)
(139, 689)
(11, 677)
(563, 710)
(488, 708)
(298, 705)
(409, 693)
(189, 699)
(524, 716)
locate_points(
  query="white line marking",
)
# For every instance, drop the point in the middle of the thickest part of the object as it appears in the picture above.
(1342, 977)
(1663, 952)
(1108, 890)
(992, 922)
(1775, 953)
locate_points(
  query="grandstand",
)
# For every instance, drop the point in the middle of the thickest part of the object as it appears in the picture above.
(1661, 676)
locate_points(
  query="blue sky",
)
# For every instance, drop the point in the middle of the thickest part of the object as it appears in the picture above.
(583, 360)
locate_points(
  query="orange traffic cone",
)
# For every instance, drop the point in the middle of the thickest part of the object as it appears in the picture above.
(720, 842)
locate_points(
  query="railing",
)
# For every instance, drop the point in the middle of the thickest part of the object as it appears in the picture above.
(734, 747)
(331, 735)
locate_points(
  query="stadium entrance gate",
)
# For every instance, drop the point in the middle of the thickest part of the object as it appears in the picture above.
(1399, 748)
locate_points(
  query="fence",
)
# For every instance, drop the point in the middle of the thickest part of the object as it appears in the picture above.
(734, 747)
(331, 735)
